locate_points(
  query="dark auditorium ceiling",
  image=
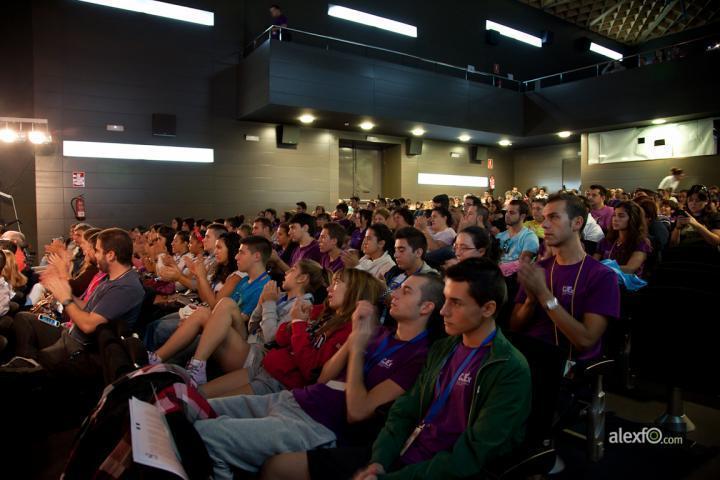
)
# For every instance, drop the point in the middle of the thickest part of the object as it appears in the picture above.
(633, 21)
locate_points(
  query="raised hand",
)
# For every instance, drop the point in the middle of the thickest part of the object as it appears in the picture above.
(350, 258)
(300, 310)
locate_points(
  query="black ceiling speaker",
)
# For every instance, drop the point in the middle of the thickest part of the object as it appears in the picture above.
(492, 37)
(582, 44)
(164, 125)
(478, 154)
(287, 135)
(413, 146)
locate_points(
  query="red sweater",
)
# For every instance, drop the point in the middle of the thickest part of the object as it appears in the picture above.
(300, 356)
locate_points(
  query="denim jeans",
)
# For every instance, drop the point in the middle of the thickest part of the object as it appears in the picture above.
(158, 332)
(252, 428)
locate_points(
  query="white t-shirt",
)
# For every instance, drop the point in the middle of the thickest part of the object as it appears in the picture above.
(376, 267)
(446, 236)
(669, 183)
(592, 231)
(6, 294)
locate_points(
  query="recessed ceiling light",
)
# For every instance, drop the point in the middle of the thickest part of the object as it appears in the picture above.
(564, 134)
(464, 137)
(659, 121)
(504, 142)
(418, 132)
(37, 137)
(8, 135)
(367, 125)
(306, 118)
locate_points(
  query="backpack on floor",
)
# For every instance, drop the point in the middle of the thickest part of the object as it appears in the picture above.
(103, 448)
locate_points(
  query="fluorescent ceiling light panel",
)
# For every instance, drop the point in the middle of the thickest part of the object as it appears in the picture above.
(594, 47)
(372, 20)
(512, 33)
(456, 180)
(161, 9)
(130, 151)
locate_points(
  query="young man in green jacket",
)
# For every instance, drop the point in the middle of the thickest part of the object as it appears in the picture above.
(472, 399)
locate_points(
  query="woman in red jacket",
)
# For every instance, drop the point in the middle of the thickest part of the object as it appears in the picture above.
(303, 346)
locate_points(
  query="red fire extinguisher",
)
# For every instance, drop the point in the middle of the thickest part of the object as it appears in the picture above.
(78, 206)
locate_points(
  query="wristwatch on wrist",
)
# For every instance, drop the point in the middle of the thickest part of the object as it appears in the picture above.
(67, 302)
(552, 304)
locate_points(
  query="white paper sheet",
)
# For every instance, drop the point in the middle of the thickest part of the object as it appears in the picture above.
(152, 444)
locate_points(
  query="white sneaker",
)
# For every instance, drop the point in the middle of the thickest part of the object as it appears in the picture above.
(197, 371)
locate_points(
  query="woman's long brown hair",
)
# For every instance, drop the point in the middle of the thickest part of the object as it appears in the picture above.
(360, 286)
(635, 233)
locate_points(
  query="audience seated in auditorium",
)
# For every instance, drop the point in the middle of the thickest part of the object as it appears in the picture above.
(410, 249)
(213, 277)
(461, 413)
(567, 299)
(381, 215)
(117, 299)
(301, 231)
(224, 327)
(699, 225)
(302, 346)
(438, 231)
(373, 367)
(362, 219)
(597, 195)
(331, 242)
(535, 223)
(262, 227)
(403, 217)
(340, 215)
(284, 246)
(658, 226)
(626, 241)
(16, 279)
(517, 242)
(378, 249)
(474, 242)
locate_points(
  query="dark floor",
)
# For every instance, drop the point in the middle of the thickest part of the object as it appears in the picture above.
(43, 456)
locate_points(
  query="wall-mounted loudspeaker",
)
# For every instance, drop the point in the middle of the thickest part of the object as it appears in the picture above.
(413, 146)
(164, 125)
(478, 154)
(287, 135)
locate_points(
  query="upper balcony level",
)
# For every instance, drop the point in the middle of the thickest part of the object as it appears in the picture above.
(347, 82)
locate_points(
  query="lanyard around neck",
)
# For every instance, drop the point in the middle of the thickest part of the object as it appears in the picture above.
(572, 296)
(442, 399)
(383, 351)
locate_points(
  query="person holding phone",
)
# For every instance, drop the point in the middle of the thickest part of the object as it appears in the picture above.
(699, 225)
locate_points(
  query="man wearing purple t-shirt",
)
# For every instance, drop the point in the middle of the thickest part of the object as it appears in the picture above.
(567, 299)
(374, 367)
(597, 195)
(331, 240)
(302, 231)
(471, 401)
